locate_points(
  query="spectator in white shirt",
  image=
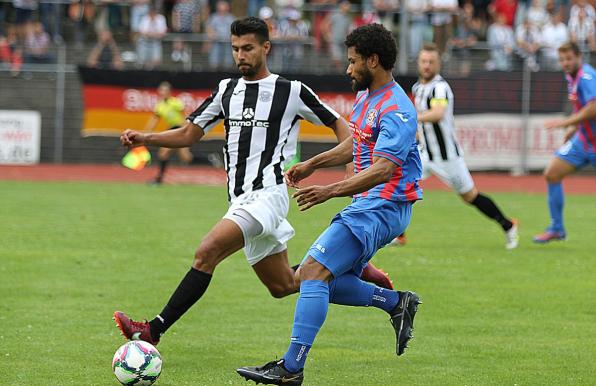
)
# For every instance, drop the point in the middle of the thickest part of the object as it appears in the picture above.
(501, 42)
(581, 29)
(151, 29)
(554, 34)
(537, 14)
(418, 24)
(527, 38)
(579, 5)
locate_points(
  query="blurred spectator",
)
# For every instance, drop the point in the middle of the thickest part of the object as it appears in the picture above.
(23, 15)
(254, 6)
(468, 31)
(149, 47)
(186, 18)
(340, 23)
(266, 14)
(527, 37)
(507, 8)
(536, 14)
(37, 44)
(81, 13)
(418, 24)
(10, 52)
(554, 34)
(138, 10)
(387, 9)
(441, 18)
(293, 32)
(366, 17)
(588, 8)
(218, 31)
(501, 42)
(105, 54)
(323, 8)
(50, 16)
(581, 31)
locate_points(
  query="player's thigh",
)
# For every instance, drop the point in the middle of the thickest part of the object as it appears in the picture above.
(164, 153)
(459, 176)
(275, 273)
(221, 241)
(336, 249)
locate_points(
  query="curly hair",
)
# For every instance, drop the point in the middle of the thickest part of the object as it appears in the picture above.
(374, 39)
(251, 25)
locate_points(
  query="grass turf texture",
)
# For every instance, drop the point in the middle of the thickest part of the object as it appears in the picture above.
(72, 253)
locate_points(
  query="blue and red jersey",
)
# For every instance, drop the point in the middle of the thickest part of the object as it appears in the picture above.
(384, 124)
(582, 90)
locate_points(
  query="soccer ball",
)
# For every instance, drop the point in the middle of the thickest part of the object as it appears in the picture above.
(137, 363)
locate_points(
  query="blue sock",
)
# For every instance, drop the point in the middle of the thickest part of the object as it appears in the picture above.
(555, 205)
(311, 311)
(350, 290)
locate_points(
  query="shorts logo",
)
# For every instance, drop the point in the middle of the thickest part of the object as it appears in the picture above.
(248, 113)
(320, 248)
(371, 116)
(264, 96)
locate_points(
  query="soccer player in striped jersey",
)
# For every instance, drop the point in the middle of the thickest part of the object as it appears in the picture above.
(440, 152)
(261, 111)
(384, 189)
(580, 146)
(171, 110)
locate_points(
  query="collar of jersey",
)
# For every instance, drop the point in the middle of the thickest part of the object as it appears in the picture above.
(381, 89)
(257, 81)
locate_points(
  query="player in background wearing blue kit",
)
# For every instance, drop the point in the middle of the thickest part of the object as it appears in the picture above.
(580, 146)
(385, 186)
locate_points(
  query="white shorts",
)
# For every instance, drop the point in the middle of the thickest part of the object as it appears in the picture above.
(453, 172)
(268, 206)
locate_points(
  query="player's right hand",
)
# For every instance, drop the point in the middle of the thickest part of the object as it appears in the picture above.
(132, 138)
(297, 173)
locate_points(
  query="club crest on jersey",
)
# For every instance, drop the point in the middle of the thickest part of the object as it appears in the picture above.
(264, 96)
(371, 116)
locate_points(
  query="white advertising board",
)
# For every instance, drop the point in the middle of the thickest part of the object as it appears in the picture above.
(20, 132)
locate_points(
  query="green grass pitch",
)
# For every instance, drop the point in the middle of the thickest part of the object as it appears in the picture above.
(72, 253)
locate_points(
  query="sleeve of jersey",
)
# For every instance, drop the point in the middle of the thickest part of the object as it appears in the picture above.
(209, 112)
(439, 95)
(311, 108)
(178, 104)
(587, 88)
(396, 137)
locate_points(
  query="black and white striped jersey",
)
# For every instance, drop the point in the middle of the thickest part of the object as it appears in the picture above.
(261, 127)
(438, 138)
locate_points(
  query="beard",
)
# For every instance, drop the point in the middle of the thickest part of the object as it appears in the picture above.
(249, 70)
(364, 83)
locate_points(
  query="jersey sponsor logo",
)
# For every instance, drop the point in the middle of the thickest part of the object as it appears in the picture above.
(248, 120)
(371, 115)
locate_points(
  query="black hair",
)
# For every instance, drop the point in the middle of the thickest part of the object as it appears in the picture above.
(374, 39)
(251, 25)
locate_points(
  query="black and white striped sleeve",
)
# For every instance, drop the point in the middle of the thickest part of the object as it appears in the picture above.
(209, 112)
(311, 108)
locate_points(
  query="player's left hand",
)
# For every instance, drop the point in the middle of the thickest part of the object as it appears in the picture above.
(312, 195)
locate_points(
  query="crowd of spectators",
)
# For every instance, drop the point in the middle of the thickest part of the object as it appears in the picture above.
(503, 32)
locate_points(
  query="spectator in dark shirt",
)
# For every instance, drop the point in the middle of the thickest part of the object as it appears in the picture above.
(105, 54)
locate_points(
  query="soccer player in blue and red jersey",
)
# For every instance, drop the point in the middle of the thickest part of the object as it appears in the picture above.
(580, 146)
(384, 188)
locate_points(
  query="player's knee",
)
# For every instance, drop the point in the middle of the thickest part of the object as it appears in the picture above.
(281, 290)
(552, 177)
(313, 270)
(206, 257)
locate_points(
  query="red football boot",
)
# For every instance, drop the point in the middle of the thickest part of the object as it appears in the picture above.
(376, 276)
(132, 330)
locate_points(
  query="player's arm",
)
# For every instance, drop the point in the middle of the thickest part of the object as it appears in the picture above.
(378, 173)
(151, 124)
(585, 113)
(181, 137)
(437, 110)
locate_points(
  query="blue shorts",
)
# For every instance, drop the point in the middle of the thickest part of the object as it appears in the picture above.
(575, 153)
(358, 232)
